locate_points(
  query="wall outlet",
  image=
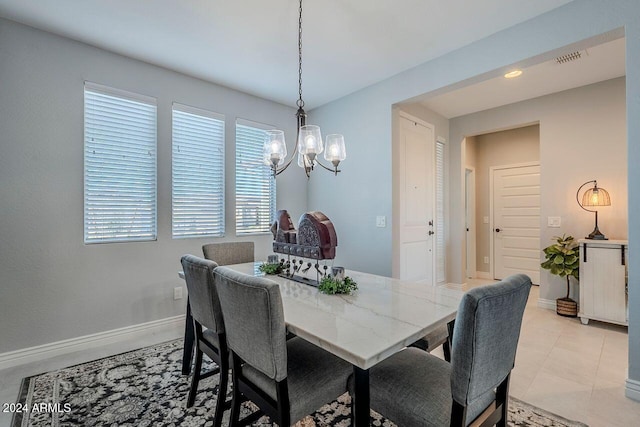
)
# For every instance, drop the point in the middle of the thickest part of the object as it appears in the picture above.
(486, 260)
(381, 221)
(485, 220)
(554, 221)
(177, 293)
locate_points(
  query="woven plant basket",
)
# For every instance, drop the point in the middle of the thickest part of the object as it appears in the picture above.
(566, 307)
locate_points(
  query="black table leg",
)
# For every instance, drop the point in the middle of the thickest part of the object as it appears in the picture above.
(189, 337)
(361, 397)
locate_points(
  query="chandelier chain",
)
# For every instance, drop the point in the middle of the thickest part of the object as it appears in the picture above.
(300, 102)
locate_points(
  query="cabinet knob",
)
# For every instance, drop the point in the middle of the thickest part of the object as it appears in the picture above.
(497, 230)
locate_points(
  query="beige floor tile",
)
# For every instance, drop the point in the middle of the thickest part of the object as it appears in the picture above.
(610, 407)
(569, 399)
(572, 365)
(521, 379)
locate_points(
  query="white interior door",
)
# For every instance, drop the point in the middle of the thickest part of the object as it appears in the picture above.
(417, 189)
(516, 221)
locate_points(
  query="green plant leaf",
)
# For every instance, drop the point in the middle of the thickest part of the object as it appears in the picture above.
(559, 259)
(570, 259)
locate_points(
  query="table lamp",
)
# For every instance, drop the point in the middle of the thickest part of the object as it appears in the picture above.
(594, 197)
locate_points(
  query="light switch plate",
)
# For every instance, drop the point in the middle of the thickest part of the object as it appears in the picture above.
(177, 293)
(381, 221)
(485, 220)
(486, 260)
(554, 221)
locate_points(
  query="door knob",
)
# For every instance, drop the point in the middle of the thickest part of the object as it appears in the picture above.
(497, 230)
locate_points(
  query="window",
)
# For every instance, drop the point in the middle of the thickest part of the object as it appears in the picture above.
(255, 186)
(197, 173)
(119, 166)
(440, 225)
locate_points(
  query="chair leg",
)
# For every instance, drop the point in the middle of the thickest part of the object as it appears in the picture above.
(237, 396)
(222, 391)
(196, 378)
(502, 395)
(446, 349)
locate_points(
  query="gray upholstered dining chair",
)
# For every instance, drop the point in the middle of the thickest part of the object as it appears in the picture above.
(286, 379)
(224, 253)
(414, 388)
(208, 326)
(227, 253)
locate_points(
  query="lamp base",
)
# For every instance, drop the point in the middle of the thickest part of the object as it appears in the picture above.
(596, 235)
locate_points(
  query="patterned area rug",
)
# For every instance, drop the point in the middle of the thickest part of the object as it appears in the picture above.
(146, 388)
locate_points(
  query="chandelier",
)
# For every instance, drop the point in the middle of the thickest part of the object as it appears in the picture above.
(309, 144)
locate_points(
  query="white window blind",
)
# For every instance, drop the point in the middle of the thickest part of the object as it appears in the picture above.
(440, 225)
(255, 186)
(197, 173)
(119, 165)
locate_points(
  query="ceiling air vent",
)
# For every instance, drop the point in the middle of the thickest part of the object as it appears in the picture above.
(573, 56)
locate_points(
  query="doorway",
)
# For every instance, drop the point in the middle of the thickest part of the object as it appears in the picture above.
(484, 153)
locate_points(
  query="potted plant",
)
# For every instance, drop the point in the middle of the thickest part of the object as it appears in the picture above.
(563, 259)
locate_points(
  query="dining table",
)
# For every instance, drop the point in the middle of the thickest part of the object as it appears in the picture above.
(383, 316)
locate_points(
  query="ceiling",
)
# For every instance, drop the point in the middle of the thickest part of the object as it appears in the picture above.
(598, 63)
(251, 45)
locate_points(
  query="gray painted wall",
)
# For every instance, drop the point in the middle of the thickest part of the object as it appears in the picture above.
(52, 286)
(521, 145)
(364, 117)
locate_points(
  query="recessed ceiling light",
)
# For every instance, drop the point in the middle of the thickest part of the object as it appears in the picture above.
(513, 74)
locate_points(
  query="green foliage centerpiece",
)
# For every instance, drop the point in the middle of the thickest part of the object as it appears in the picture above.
(271, 268)
(563, 259)
(330, 285)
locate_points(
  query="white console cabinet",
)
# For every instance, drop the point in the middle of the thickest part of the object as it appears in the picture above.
(603, 281)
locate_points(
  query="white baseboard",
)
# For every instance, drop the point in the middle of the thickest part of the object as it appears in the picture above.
(549, 304)
(483, 275)
(632, 389)
(168, 327)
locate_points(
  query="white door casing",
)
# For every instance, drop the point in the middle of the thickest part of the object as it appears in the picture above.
(515, 220)
(417, 200)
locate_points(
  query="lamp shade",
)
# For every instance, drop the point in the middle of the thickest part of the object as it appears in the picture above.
(335, 150)
(310, 140)
(274, 149)
(596, 197)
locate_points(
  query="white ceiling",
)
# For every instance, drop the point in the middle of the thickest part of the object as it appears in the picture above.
(251, 45)
(598, 63)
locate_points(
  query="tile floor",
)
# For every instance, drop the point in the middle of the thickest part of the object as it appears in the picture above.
(562, 366)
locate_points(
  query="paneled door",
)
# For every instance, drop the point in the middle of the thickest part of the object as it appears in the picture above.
(516, 221)
(417, 200)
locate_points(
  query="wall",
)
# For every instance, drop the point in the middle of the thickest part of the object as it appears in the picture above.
(574, 126)
(365, 118)
(508, 147)
(52, 286)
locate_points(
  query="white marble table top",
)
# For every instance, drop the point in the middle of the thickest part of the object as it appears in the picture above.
(383, 316)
